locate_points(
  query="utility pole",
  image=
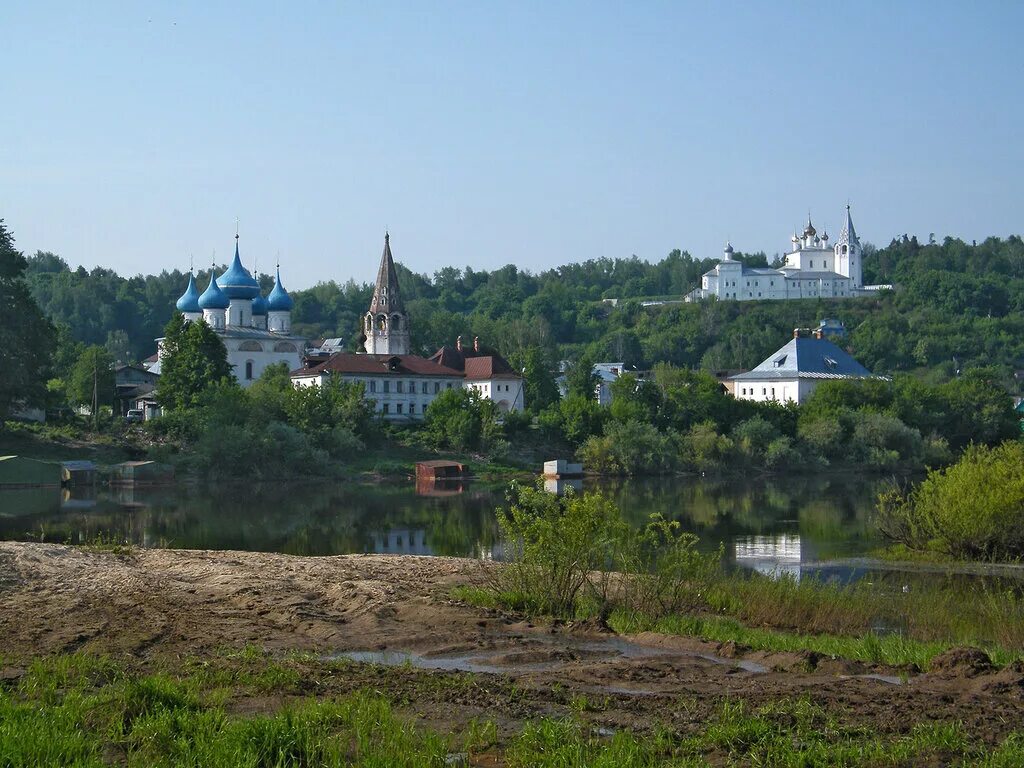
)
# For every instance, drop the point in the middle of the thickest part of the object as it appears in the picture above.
(95, 394)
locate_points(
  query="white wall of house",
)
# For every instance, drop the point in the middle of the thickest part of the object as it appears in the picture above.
(396, 398)
(779, 390)
(506, 392)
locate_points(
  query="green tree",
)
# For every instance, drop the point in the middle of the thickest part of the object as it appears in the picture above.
(462, 420)
(580, 378)
(194, 358)
(26, 336)
(92, 374)
(540, 389)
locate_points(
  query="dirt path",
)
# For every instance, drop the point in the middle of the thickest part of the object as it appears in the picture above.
(159, 603)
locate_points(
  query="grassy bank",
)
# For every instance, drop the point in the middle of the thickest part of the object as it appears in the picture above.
(575, 557)
(248, 709)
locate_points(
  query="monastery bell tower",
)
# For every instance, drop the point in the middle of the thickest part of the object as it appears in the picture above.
(386, 325)
(848, 252)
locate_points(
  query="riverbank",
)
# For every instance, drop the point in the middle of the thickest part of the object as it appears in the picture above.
(260, 633)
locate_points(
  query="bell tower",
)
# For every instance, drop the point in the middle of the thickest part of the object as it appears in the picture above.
(848, 253)
(386, 325)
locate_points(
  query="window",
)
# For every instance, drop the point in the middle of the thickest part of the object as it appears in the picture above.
(248, 370)
(449, 385)
(779, 361)
(398, 408)
(773, 393)
(423, 389)
(399, 386)
(764, 390)
(387, 387)
(285, 346)
(437, 387)
(373, 386)
(412, 387)
(412, 408)
(384, 409)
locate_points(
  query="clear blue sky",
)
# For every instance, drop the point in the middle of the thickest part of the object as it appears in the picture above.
(133, 134)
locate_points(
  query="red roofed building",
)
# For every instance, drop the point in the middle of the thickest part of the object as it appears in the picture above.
(485, 371)
(402, 385)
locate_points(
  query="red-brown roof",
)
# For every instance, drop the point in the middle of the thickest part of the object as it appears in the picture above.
(477, 364)
(378, 365)
(489, 367)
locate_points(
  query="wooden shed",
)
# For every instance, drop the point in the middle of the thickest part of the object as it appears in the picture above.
(440, 469)
(141, 473)
(22, 472)
(78, 473)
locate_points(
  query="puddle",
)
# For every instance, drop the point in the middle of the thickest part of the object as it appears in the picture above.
(889, 679)
(503, 661)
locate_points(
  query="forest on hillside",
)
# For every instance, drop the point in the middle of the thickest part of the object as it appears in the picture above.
(956, 305)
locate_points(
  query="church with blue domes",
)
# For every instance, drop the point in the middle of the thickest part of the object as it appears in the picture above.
(255, 329)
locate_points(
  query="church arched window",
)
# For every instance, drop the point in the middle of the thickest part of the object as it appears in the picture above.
(248, 370)
(284, 346)
(250, 346)
(382, 322)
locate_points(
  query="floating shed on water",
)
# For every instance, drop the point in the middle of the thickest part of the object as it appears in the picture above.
(78, 473)
(561, 469)
(22, 472)
(141, 473)
(440, 469)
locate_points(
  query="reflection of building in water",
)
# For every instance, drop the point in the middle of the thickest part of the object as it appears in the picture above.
(771, 555)
(430, 486)
(559, 485)
(401, 541)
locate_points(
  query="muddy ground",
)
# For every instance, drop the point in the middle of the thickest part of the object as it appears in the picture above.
(154, 604)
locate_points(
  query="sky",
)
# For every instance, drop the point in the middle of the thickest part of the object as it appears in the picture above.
(135, 134)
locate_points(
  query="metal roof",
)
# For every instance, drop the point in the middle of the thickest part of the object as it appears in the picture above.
(807, 358)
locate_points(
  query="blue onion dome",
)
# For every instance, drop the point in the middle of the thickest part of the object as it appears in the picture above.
(237, 282)
(213, 297)
(279, 300)
(189, 301)
(259, 306)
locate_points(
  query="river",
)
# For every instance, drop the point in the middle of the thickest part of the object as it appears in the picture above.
(796, 525)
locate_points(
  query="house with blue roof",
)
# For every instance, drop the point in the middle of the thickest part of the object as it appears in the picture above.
(795, 370)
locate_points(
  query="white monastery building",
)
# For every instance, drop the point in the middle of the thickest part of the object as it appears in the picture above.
(793, 372)
(255, 330)
(403, 385)
(813, 269)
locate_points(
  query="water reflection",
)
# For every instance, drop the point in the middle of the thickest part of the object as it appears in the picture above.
(784, 525)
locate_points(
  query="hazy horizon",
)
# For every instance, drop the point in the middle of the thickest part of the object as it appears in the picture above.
(483, 135)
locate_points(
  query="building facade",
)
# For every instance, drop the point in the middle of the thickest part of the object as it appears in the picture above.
(813, 268)
(402, 385)
(256, 330)
(795, 370)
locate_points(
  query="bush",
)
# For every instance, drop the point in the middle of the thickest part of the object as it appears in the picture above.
(630, 448)
(973, 509)
(553, 543)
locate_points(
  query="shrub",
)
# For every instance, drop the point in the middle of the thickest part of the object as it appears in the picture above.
(630, 448)
(553, 543)
(973, 509)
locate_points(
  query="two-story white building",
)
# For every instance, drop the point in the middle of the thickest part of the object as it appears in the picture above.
(402, 385)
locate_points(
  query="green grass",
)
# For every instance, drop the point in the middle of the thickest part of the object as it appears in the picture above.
(786, 615)
(79, 710)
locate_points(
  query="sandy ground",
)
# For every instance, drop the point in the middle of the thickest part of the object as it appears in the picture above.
(165, 603)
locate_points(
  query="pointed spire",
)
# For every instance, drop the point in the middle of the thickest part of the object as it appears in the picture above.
(848, 234)
(386, 295)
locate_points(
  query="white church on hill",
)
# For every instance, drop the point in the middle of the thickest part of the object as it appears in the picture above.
(255, 329)
(814, 268)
